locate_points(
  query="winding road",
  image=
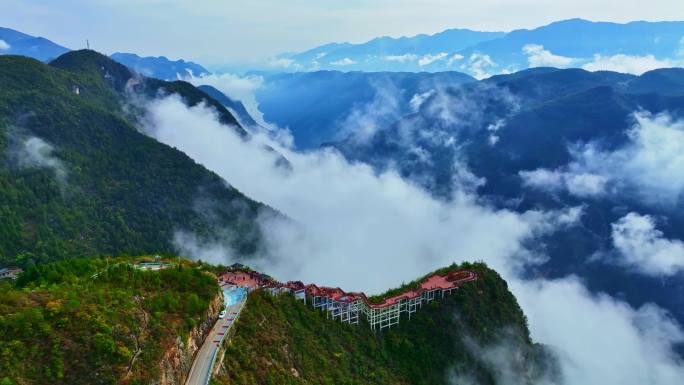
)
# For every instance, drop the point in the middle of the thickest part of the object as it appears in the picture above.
(200, 373)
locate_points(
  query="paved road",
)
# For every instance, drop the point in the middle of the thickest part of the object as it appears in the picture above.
(200, 373)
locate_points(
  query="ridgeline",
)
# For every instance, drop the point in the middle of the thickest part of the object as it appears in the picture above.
(78, 178)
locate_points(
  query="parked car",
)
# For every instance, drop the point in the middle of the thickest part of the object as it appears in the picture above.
(222, 314)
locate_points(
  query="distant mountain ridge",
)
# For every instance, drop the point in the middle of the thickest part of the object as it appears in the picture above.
(566, 43)
(160, 67)
(17, 43)
(302, 101)
(13, 42)
(540, 122)
(390, 54)
(234, 106)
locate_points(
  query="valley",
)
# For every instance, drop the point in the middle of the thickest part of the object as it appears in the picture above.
(223, 194)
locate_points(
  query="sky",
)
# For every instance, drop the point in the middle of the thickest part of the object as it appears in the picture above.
(216, 32)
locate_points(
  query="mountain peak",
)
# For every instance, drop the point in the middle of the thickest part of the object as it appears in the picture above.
(89, 61)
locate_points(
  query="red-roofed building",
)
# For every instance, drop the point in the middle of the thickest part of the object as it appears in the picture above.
(349, 307)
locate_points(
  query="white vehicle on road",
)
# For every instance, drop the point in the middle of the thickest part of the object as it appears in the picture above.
(222, 315)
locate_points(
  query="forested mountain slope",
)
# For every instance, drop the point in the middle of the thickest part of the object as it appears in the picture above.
(78, 178)
(279, 340)
(61, 324)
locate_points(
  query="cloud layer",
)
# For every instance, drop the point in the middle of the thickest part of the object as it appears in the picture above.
(343, 62)
(580, 184)
(293, 25)
(651, 164)
(346, 216)
(339, 206)
(643, 247)
(599, 339)
(630, 64)
(537, 56)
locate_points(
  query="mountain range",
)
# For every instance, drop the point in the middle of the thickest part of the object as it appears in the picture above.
(567, 43)
(17, 43)
(315, 105)
(584, 164)
(502, 137)
(160, 67)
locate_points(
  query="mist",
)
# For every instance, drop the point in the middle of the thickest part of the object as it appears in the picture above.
(352, 227)
(28, 152)
(650, 164)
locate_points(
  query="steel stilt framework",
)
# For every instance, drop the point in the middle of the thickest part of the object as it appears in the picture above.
(351, 307)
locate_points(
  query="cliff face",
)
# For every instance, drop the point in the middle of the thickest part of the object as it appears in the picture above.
(178, 358)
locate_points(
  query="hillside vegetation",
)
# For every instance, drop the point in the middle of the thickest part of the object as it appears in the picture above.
(279, 340)
(77, 177)
(59, 325)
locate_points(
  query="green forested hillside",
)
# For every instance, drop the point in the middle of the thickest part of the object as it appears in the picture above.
(61, 326)
(279, 340)
(77, 178)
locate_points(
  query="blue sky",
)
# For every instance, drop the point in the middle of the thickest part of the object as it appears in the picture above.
(228, 31)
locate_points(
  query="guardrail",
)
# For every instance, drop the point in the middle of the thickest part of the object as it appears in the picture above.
(213, 358)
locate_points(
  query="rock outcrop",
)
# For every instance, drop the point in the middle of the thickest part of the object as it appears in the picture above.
(177, 361)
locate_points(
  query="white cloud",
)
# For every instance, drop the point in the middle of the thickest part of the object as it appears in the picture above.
(636, 65)
(680, 50)
(580, 184)
(601, 340)
(407, 57)
(211, 253)
(343, 62)
(364, 120)
(404, 221)
(418, 99)
(453, 59)
(585, 184)
(285, 63)
(543, 179)
(493, 128)
(643, 247)
(506, 359)
(429, 59)
(242, 89)
(537, 56)
(34, 152)
(346, 215)
(650, 166)
(480, 65)
(4, 45)
(652, 162)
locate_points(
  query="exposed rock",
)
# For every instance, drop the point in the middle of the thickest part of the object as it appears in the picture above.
(177, 361)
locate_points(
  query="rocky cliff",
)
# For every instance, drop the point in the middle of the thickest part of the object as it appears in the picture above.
(178, 358)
